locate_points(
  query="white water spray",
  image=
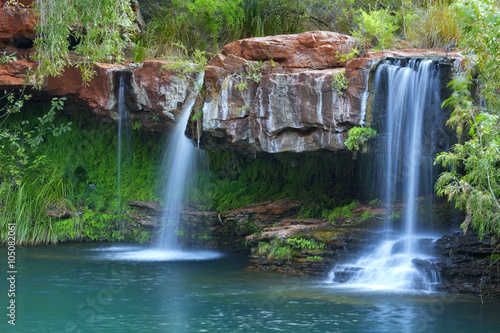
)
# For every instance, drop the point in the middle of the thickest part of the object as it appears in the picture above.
(124, 141)
(401, 262)
(179, 163)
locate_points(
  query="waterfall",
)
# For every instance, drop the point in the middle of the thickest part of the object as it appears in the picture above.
(124, 137)
(179, 165)
(407, 94)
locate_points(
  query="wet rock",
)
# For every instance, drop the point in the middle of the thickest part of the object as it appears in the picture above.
(334, 244)
(145, 220)
(464, 264)
(151, 205)
(264, 214)
(428, 269)
(345, 274)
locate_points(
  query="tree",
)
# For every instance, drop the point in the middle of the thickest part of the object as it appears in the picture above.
(95, 30)
(473, 177)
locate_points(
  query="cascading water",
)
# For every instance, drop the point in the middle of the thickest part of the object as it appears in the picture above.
(124, 127)
(409, 92)
(179, 161)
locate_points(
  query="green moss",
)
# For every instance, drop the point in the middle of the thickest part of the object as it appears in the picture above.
(234, 182)
(327, 235)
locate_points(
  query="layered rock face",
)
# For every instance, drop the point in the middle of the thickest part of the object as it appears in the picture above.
(154, 97)
(283, 93)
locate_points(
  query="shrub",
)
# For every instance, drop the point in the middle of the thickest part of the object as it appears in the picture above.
(376, 29)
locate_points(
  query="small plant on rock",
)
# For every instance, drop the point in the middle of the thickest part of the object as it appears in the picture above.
(358, 136)
(340, 83)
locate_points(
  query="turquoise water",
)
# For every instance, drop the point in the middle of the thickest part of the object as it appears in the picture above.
(105, 288)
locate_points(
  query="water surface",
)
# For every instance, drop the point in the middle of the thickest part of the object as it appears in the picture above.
(104, 288)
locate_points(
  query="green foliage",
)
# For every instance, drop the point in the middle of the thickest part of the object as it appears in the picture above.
(314, 258)
(185, 63)
(306, 212)
(197, 24)
(340, 83)
(263, 248)
(366, 216)
(234, 182)
(472, 177)
(271, 17)
(304, 244)
(341, 212)
(25, 204)
(253, 74)
(394, 216)
(345, 57)
(278, 251)
(285, 250)
(76, 172)
(7, 58)
(100, 227)
(20, 142)
(373, 202)
(358, 136)
(100, 35)
(376, 29)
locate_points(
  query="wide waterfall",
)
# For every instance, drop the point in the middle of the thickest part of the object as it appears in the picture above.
(407, 95)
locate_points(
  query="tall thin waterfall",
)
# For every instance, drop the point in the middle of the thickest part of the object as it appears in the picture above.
(179, 163)
(124, 140)
(408, 92)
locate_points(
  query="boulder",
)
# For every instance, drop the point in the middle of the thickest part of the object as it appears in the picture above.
(312, 49)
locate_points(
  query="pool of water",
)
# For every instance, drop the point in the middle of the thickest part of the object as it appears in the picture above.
(109, 288)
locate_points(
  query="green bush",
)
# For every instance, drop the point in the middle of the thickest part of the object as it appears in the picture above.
(376, 29)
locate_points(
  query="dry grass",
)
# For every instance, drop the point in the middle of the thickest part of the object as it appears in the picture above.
(432, 27)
